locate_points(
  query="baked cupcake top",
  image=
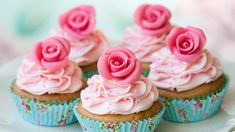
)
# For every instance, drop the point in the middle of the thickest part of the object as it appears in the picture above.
(120, 88)
(78, 27)
(184, 65)
(148, 35)
(48, 70)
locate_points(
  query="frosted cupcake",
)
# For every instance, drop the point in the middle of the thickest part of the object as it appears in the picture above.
(119, 99)
(87, 44)
(147, 36)
(190, 79)
(48, 85)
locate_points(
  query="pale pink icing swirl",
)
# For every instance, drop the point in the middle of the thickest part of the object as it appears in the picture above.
(167, 72)
(141, 44)
(85, 51)
(110, 97)
(38, 81)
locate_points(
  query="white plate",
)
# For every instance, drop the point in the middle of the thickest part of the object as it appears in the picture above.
(10, 120)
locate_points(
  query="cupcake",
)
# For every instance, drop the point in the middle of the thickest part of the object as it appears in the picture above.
(87, 44)
(190, 80)
(147, 36)
(119, 99)
(48, 85)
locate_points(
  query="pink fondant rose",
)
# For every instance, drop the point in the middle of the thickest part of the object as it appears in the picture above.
(52, 53)
(78, 22)
(186, 43)
(119, 64)
(153, 19)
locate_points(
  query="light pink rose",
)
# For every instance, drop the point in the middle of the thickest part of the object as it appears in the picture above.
(78, 22)
(153, 19)
(52, 53)
(119, 64)
(186, 43)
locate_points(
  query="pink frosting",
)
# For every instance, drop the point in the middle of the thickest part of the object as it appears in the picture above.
(143, 45)
(186, 43)
(110, 97)
(52, 53)
(38, 81)
(119, 64)
(85, 51)
(153, 19)
(167, 72)
(78, 22)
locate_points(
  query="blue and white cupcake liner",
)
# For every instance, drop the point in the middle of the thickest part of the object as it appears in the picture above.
(147, 125)
(45, 113)
(196, 109)
(89, 74)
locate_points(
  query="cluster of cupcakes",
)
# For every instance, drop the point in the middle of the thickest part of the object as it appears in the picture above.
(159, 71)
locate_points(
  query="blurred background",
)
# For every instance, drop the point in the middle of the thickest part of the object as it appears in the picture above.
(25, 22)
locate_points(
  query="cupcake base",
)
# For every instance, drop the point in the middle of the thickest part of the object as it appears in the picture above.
(45, 110)
(146, 68)
(89, 70)
(143, 121)
(186, 110)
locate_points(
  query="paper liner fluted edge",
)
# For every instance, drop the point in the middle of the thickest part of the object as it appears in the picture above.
(47, 113)
(196, 109)
(90, 125)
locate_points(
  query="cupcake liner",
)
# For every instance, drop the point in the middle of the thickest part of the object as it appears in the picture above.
(90, 125)
(145, 73)
(196, 109)
(89, 74)
(45, 113)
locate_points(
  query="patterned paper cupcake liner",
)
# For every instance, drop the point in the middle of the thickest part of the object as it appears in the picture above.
(145, 73)
(148, 125)
(89, 74)
(196, 109)
(45, 113)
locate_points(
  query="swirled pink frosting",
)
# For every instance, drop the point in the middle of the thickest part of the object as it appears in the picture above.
(110, 97)
(85, 51)
(167, 72)
(143, 45)
(38, 81)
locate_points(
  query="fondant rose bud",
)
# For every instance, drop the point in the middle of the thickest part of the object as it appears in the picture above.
(51, 54)
(78, 22)
(119, 64)
(186, 43)
(153, 19)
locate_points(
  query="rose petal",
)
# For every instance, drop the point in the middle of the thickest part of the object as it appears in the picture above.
(161, 18)
(126, 71)
(196, 42)
(73, 19)
(55, 65)
(182, 38)
(36, 53)
(90, 26)
(134, 76)
(171, 38)
(72, 27)
(103, 67)
(140, 14)
(118, 55)
(129, 53)
(157, 26)
(201, 35)
(191, 58)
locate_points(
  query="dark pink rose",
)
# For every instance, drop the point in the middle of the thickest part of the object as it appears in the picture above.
(78, 22)
(186, 43)
(52, 53)
(119, 64)
(153, 19)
